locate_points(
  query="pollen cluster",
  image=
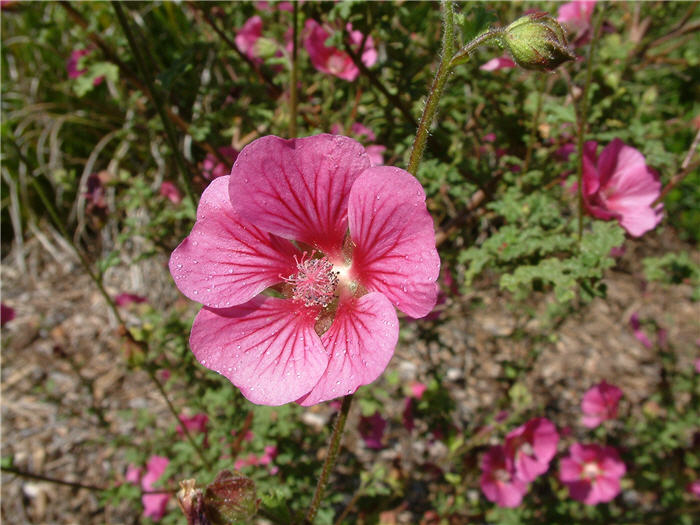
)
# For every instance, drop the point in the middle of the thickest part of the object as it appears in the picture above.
(315, 282)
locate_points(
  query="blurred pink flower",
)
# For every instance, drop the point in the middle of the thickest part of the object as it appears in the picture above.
(499, 483)
(95, 193)
(154, 504)
(250, 461)
(638, 332)
(565, 151)
(498, 63)
(376, 154)
(197, 423)
(74, 61)
(7, 314)
(248, 36)
(592, 473)
(576, 16)
(125, 299)
(619, 185)
(331, 60)
(268, 456)
(170, 192)
(697, 366)
(335, 328)
(372, 430)
(531, 447)
(417, 389)
(213, 168)
(133, 474)
(694, 488)
(600, 404)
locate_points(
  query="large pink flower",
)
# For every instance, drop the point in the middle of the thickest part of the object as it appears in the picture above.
(327, 324)
(592, 473)
(499, 482)
(331, 60)
(600, 404)
(619, 185)
(531, 447)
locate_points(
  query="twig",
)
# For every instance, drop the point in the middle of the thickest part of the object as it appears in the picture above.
(686, 168)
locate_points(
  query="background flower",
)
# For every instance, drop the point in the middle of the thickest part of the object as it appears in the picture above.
(498, 480)
(592, 473)
(600, 404)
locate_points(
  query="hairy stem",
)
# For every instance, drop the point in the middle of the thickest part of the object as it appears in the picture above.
(331, 456)
(436, 89)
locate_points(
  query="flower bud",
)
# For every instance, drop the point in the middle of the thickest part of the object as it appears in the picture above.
(537, 41)
(190, 500)
(230, 499)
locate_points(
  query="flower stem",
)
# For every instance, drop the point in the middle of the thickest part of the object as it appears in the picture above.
(436, 89)
(331, 456)
(293, 79)
(582, 116)
(157, 100)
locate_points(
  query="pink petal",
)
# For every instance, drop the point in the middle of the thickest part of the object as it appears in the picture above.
(580, 491)
(591, 181)
(298, 189)
(591, 421)
(569, 470)
(154, 505)
(498, 63)
(225, 260)
(394, 239)
(603, 490)
(248, 36)
(267, 347)
(360, 342)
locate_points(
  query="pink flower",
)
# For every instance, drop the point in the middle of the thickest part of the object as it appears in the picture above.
(154, 504)
(619, 185)
(7, 314)
(196, 424)
(248, 36)
(498, 63)
(213, 168)
(531, 447)
(334, 328)
(694, 488)
(125, 299)
(600, 404)
(133, 474)
(372, 430)
(592, 473)
(638, 332)
(576, 15)
(268, 456)
(74, 61)
(95, 193)
(697, 366)
(170, 192)
(363, 133)
(376, 154)
(331, 60)
(418, 389)
(499, 483)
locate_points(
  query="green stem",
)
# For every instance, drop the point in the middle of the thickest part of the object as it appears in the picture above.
(582, 116)
(333, 447)
(157, 100)
(436, 89)
(293, 80)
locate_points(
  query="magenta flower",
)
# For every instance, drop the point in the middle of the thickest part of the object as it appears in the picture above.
(497, 63)
(213, 168)
(638, 332)
(499, 483)
(600, 404)
(248, 36)
(170, 192)
(197, 423)
(125, 299)
(73, 63)
(154, 504)
(697, 366)
(531, 447)
(133, 474)
(7, 314)
(95, 193)
(592, 473)
(619, 185)
(372, 430)
(694, 488)
(328, 59)
(332, 326)
(576, 16)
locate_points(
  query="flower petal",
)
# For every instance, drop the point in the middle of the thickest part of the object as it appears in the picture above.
(394, 239)
(360, 342)
(298, 189)
(225, 260)
(267, 347)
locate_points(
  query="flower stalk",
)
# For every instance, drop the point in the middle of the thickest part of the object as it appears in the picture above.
(293, 75)
(331, 456)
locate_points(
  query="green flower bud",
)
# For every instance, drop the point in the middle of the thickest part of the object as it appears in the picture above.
(230, 499)
(537, 41)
